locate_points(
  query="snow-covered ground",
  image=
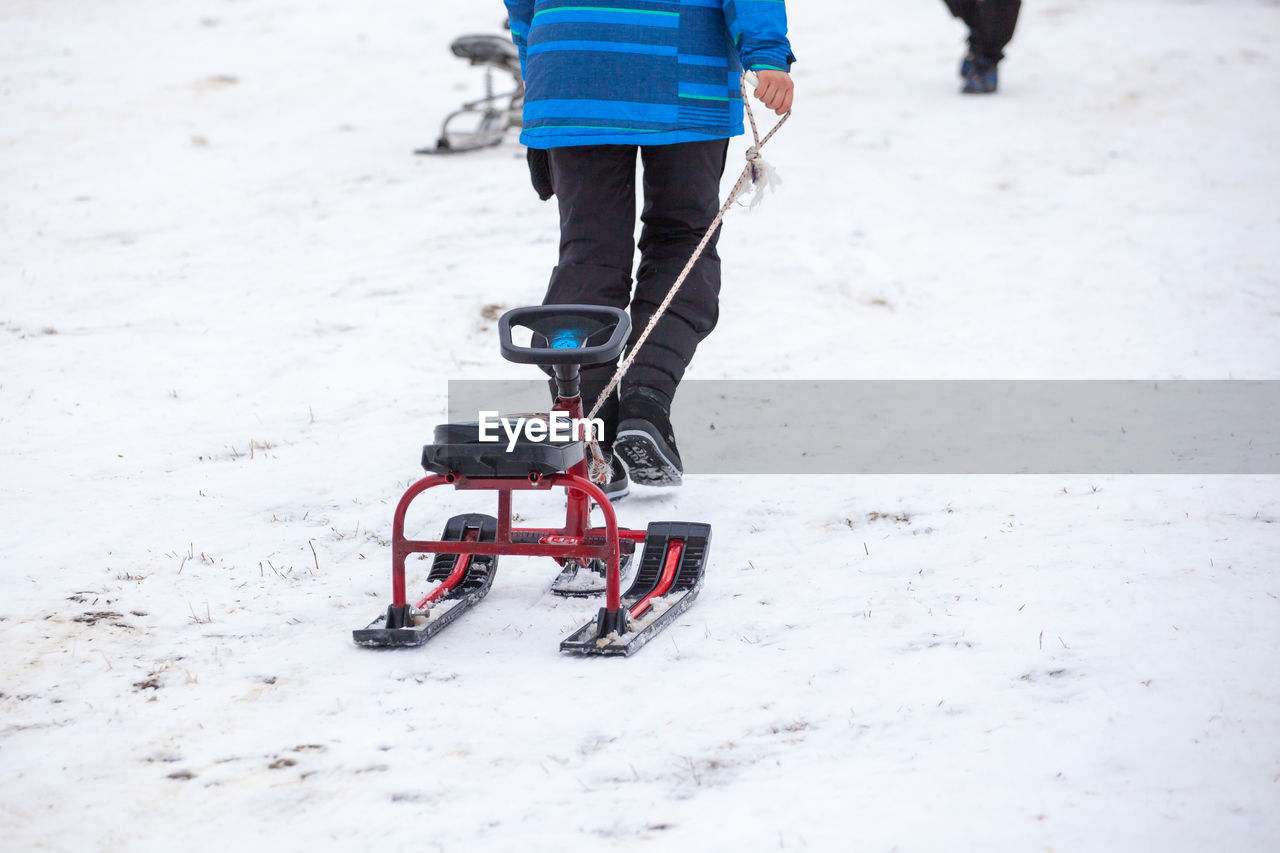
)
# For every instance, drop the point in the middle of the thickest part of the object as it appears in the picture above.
(230, 301)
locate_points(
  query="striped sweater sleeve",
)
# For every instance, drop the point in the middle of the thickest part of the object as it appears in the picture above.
(759, 31)
(520, 15)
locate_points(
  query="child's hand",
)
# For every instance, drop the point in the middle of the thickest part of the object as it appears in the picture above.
(775, 90)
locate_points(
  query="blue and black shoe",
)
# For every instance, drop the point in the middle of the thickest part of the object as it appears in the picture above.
(982, 78)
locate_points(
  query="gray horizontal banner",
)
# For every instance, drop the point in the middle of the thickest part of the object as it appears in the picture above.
(951, 427)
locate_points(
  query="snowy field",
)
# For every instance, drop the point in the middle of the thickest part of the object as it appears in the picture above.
(230, 299)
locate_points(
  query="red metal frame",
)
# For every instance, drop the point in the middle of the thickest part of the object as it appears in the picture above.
(563, 543)
(460, 567)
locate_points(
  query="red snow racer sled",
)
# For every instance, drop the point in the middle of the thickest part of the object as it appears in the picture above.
(670, 571)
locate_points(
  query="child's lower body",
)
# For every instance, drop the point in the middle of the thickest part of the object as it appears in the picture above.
(596, 190)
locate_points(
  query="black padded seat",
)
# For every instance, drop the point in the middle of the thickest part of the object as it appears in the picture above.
(457, 449)
(486, 49)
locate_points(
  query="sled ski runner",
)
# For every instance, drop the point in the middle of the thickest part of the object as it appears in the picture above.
(668, 581)
(463, 580)
(668, 575)
(586, 578)
(580, 579)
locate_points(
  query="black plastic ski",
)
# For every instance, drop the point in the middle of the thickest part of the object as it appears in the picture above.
(585, 579)
(404, 626)
(664, 607)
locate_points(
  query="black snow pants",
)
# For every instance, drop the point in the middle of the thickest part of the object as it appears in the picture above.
(990, 22)
(596, 189)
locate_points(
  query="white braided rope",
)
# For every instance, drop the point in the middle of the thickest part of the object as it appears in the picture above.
(756, 174)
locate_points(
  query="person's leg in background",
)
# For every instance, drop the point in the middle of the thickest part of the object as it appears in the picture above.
(991, 24)
(996, 20)
(681, 199)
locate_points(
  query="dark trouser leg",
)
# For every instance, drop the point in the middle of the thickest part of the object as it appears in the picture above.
(595, 187)
(681, 199)
(991, 24)
(965, 10)
(996, 22)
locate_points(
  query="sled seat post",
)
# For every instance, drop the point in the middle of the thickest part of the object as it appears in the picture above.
(504, 515)
(589, 492)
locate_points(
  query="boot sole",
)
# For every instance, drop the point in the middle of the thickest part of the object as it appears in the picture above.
(648, 458)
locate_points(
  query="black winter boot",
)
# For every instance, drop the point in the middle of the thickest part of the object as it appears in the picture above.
(645, 440)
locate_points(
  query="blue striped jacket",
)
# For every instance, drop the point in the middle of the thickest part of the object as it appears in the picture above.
(641, 72)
